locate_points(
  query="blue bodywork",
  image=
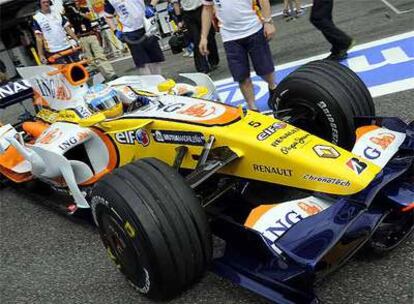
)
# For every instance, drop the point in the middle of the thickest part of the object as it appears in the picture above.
(320, 243)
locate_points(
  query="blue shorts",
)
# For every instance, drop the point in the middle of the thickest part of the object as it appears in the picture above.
(143, 49)
(254, 46)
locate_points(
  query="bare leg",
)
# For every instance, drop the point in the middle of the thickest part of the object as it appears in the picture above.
(270, 79)
(155, 68)
(144, 70)
(286, 5)
(298, 5)
(246, 87)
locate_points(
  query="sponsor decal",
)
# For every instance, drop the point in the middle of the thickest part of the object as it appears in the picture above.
(68, 143)
(379, 145)
(255, 124)
(381, 142)
(272, 221)
(13, 88)
(334, 128)
(356, 165)
(179, 137)
(199, 110)
(170, 108)
(269, 131)
(54, 88)
(73, 140)
(50, 136)
(299, 141)
(272, 170)
(83, 112)
(326, 151)
(383, 139)
(130, 137)
(309, 208)
(327, 180)
(284, 136)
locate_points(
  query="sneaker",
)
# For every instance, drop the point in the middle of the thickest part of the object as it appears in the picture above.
(299, 12)
(341, 54)
(191, 55)
(286, 14)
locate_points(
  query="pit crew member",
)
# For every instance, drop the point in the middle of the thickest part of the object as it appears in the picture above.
(51, 30)
(145, 51)
(246, 32)
(79, 18)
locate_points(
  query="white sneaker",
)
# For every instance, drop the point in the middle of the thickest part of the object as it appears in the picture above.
(191, 54)
(186, 54)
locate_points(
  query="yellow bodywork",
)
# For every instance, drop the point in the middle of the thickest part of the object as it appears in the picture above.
(286, 157)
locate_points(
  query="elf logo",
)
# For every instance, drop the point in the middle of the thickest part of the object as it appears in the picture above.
(269, 131)
(356, 165)
(130, 137)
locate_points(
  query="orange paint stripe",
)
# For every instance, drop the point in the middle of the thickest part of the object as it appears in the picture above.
(256, 214)
(363, 130)
(113, 158)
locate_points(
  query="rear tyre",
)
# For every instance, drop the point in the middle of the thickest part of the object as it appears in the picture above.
(323, 97)
(153, 227)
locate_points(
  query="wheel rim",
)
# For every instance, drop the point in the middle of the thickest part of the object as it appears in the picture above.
(300, 114)
(123, 250)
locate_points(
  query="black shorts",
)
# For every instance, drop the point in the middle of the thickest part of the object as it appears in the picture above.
(143, 49)
(254, 46)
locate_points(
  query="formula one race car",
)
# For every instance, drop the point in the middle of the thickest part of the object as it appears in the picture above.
(286, 200)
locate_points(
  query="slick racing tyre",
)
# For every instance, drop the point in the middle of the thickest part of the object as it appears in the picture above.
(323, 97)
(153, 227)
(393, 230)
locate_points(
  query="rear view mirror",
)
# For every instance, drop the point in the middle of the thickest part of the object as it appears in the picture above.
(166, 86)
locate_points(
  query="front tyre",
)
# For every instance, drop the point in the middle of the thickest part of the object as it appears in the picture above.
(393, 230)
(323, 97)
(153, 227)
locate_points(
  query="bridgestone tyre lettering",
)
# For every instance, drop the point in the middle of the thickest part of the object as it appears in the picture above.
(153, 227)
(324, 97)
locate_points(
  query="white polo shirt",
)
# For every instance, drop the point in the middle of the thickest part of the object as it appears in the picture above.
(237, 18)
(52, 27)
(130, 13)
(189, 5)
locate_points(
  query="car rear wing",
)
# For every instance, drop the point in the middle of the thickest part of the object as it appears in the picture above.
(14, 92)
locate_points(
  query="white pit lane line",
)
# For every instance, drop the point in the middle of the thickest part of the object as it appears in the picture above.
(376, 91)
(396, 10)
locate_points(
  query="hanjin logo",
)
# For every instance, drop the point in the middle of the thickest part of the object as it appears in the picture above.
(326, 151)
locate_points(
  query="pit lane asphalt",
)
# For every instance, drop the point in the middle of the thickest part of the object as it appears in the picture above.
(46, 257)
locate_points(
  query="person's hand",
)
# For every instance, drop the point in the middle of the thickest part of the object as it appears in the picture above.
(203, 46)
(149, 11)
(269, 30)
(119, 35)
(43, 59)
(180, 25)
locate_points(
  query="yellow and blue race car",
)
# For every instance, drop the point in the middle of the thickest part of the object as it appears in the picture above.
(285, 198)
